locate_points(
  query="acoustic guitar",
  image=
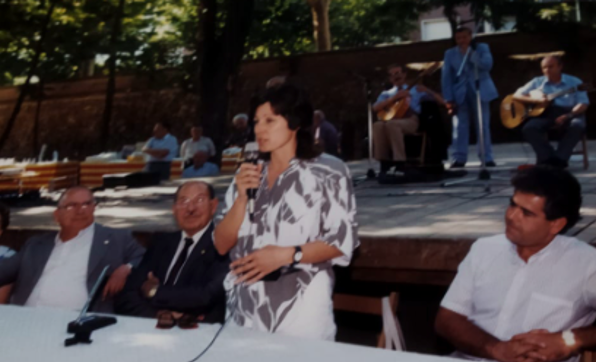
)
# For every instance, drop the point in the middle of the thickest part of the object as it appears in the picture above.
(514, 112)
(398, 109)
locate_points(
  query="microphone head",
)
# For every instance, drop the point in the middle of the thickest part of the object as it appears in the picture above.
(251, 152)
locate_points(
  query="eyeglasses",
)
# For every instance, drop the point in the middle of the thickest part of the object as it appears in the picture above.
(78, 205)
(167, 320)
(197, 201)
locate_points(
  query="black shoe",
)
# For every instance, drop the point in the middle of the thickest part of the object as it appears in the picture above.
(458, 164)
(490, 164)
(400, 166)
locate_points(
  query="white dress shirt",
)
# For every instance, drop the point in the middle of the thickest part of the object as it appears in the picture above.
(195, 238)
(502, 294)
(63, 283)
(190, 147)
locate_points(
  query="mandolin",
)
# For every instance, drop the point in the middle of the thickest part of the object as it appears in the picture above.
(398, 109)
(514, 112)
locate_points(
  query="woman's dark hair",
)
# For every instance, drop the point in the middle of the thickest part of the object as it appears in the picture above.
(293, 104)
(562, 192)
(4, 217)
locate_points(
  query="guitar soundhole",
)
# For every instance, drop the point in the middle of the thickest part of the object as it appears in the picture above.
(513, 111)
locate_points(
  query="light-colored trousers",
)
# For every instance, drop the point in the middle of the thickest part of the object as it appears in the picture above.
(388, 138)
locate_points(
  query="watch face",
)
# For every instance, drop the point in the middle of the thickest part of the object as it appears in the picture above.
(298, 256)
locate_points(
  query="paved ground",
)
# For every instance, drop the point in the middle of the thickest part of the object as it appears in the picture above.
(411, 210)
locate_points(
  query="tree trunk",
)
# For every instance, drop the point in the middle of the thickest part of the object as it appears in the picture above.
(40, 95)
(221, 57)
(32, 69)
(111, 88)
(451, 15)
(320, 22)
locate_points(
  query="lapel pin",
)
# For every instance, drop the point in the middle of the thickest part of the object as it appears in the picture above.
(106, 242)
(202, 251)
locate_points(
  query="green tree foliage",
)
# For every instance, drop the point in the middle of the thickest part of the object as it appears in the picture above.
(154, 32)
(158, 34)
(284, 27)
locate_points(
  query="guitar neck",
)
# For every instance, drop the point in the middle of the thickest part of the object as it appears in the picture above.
(552, 96)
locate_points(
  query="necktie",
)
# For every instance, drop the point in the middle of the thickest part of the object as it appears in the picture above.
(179, 262)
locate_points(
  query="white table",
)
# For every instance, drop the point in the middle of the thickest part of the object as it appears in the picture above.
(35, 335)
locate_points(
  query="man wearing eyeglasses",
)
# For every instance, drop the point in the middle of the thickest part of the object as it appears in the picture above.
(59, 269)
(181, 273)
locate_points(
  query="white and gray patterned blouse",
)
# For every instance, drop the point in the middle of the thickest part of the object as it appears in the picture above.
(313, 200)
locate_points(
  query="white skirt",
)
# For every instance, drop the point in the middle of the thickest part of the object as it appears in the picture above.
(310, 317)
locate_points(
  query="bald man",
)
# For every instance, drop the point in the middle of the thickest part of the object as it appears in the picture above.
(241, 132)
(59, 269)
(566, 114)
(181, 273)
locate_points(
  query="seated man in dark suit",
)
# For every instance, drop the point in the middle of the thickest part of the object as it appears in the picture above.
(181, 271)
(5, 252)
(59, 269)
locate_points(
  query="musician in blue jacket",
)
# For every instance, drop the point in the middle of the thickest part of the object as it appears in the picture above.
(460, 93)
(565, 114)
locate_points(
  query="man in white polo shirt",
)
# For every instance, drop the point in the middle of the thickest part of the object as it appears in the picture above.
(196, 143)
(528, 295)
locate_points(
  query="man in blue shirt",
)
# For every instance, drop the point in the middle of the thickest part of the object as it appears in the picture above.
(388, 136)
(460, 92)
(565, 113)
(161, 148)
(200, 167)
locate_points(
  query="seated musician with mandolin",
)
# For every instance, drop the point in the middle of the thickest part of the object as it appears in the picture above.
(398, 110)
(563, 103)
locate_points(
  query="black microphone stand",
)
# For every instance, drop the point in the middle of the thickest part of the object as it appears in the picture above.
(370, 174)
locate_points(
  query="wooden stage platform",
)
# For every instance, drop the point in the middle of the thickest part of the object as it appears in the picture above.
(413, 233)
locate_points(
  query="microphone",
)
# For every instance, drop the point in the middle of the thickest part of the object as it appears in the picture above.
(83, 326)
(251, 155)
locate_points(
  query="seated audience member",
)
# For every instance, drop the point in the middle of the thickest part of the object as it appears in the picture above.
(326, 134)
(241, 133)
(59, 269)
(196, 143)
(200, 167)
(162, 148)
(529, 294)
(5, 252)
(181, 271)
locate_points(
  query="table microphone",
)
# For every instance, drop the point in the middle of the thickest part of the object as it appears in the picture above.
(251, 155)
(84, 325)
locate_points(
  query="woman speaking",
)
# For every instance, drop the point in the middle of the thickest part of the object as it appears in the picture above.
(304, 223)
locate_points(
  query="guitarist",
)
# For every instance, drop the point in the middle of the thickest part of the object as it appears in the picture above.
(565, 113)
(460, 92)
(388, 136)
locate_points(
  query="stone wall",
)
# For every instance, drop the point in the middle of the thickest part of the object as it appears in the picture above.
(71, 116)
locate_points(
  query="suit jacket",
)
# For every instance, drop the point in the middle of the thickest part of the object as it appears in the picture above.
(109, 247)
(454, 88)
(199, 289)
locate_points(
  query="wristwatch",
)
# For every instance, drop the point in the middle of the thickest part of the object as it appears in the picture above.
(152, 292)
(297, 258)
(569, 338)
